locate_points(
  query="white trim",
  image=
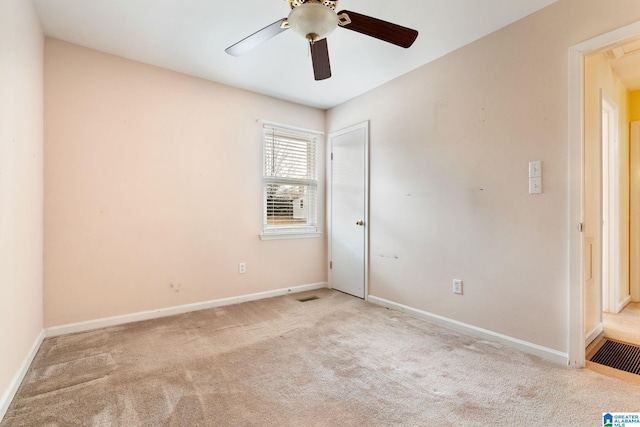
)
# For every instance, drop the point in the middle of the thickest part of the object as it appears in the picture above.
(576, 306)
(527, 347)
(623, 303)
(366, 208)
(609, 40)
(576, 181)
(593, 334)
(289, 127)
(15, 383)
(170, 311)
(290, 235)
(278, 136)
(328, 204)
(610, 145)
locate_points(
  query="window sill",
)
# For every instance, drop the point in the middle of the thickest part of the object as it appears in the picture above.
(283, 235)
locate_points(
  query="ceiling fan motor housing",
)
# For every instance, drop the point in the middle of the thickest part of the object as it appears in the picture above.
(313, 19)
(333, 4)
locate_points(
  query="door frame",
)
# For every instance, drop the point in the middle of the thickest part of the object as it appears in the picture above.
(577, 54)
(365, 126)
(610, 145)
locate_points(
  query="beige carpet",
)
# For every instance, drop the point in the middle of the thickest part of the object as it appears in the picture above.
(334, 361)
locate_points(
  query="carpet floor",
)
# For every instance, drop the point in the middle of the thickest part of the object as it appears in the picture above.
(332, 361)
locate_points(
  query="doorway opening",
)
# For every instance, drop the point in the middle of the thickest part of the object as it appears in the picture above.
(601, 180)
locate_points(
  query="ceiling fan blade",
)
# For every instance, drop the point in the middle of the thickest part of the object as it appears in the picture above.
(320, 58)
(383, 30)
(261, 36)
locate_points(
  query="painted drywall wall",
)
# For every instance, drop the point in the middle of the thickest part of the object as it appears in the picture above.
(600, 78)
(634, 196)
(153, 189)
(21, 50)
(634, 106)
(450, 145)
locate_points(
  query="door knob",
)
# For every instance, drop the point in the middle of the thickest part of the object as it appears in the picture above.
(360, 223)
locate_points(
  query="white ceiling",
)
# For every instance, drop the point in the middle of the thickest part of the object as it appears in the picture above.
(190, 36)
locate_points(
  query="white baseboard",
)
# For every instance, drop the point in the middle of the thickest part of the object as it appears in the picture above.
(170, 311)
(527, 347)
(11, 391)
(593, 334)
(624, 302)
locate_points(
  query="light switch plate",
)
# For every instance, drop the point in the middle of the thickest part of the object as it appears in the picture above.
(457, 286)
(535, 185)
(535, 169)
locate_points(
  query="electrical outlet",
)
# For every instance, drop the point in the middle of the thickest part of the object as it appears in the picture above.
(457, 286)
(242, 268)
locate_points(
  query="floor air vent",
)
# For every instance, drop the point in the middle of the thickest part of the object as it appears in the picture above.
(625, 357)
(307, 299)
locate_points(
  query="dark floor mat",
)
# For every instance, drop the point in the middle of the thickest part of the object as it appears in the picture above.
(625, 357)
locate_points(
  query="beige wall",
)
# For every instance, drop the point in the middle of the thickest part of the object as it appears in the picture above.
(601, 78)
(153, 189)
(21, 48)
(136, 154)
(450, 144)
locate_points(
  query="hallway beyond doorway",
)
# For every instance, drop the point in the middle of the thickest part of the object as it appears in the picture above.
(624, 326)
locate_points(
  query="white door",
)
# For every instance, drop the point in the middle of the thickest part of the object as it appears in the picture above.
(610, 206)
(348, 210)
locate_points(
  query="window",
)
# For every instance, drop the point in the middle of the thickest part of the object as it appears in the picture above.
(290, 183)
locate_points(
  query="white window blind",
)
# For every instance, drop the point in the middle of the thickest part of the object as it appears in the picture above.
(290, 181)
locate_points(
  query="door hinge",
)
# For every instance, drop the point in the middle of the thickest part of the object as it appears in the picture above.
(331, 156)
(330, 264)
(581, 227)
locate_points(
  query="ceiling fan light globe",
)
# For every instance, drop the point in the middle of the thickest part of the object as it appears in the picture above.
(313, 18)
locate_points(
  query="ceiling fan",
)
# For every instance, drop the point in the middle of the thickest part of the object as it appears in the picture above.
(315, 20)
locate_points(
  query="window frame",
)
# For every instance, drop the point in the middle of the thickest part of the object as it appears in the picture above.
(290, 231)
